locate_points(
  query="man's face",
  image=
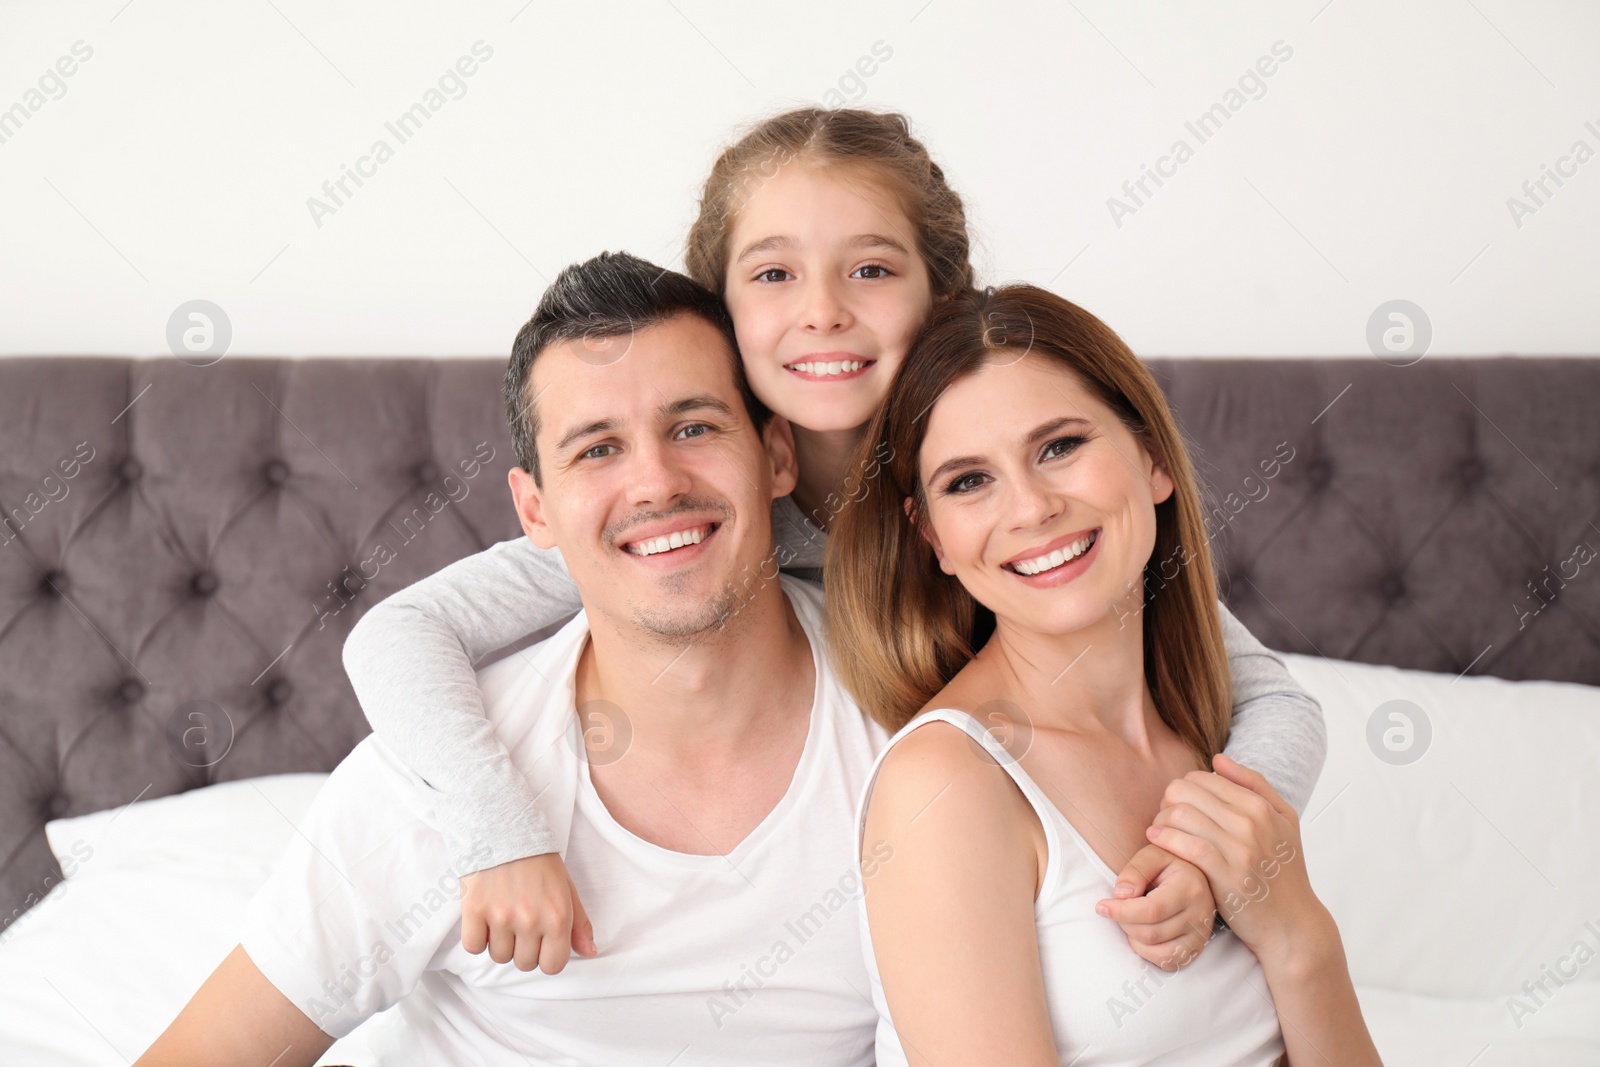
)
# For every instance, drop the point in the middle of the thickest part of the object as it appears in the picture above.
(657, 488)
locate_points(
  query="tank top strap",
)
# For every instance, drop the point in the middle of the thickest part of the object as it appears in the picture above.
(1049, 815)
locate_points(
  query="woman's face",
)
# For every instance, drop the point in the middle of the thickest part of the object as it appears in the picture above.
(1040, 502)
(827, 289)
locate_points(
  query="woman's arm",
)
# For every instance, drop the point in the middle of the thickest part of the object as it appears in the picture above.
(952, 875)
(1246, 837)
(410, 659)
(1277, 725)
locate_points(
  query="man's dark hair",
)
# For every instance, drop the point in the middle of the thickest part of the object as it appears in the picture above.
(609, 296)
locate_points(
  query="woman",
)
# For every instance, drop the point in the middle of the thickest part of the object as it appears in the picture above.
(1039, 493)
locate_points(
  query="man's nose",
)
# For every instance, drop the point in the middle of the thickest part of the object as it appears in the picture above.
(657, 474)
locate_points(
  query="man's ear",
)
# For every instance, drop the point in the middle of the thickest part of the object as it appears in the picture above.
(529, 501)
(928, 535)
(778, 438)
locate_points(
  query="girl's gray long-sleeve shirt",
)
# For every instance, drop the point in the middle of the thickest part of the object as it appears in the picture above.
(412, 660)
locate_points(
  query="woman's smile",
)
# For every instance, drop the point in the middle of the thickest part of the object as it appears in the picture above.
(1058, 562)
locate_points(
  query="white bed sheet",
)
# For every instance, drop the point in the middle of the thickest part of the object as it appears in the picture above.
(1454, 879)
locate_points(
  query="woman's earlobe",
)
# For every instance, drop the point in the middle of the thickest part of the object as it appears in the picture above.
(927, 533)
(1161, 484)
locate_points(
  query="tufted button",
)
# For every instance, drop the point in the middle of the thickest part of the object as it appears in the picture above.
(1472, 471)
(426, 471)
(279, 691)
(1393, 588)
(204, 584)
(130, 470)
(1320, 472)
(276, 472)
(54, 583)
(130, 691)
(56, 805)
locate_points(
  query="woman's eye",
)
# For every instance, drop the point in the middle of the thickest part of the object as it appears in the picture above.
(768, 275)
(1061, 446)
(965, 484)
(871, 272)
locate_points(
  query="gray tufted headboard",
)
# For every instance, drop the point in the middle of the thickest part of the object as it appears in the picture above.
(185, 548)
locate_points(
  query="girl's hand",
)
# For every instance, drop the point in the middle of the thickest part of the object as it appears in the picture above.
(527, 911)
(1246, 838)
(1164, 905)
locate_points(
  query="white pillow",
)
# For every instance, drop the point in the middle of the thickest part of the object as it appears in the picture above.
(1474, 868)
(249, 820)
(155, 895)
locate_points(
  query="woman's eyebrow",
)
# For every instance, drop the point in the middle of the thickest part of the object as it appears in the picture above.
(954, 464)
(1037, 434)
(1045, 429)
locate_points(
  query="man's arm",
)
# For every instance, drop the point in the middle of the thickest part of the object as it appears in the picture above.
(238, 1019)
(362, 896)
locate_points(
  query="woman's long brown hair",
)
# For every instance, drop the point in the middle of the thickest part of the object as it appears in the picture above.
(899, 628)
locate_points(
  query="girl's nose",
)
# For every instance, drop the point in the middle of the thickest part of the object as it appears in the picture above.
(824, 309)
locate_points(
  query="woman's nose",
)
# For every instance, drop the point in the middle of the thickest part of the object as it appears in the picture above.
(1035, 503)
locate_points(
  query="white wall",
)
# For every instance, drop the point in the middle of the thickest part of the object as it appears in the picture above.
(1376, 164)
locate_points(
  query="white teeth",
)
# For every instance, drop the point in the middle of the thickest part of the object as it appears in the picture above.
(1050, 562)
(837, 366)
(668, 542)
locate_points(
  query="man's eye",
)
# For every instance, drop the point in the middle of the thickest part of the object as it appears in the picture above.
(694, 429)
(768, 275)
(871, 272)
(596, 452)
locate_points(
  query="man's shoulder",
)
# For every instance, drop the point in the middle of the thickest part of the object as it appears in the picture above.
(516, 685)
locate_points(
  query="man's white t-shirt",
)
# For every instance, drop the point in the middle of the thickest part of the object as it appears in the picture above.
(750, 958)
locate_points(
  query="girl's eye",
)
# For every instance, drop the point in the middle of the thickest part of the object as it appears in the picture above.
(694, 429)
(870, 272)
(1061, 446)
(966, 483)
(767, 275)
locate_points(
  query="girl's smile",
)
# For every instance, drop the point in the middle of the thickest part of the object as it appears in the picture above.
(827, 287)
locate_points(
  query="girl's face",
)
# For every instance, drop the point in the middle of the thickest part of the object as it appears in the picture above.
(1040, 501)
(826, 288)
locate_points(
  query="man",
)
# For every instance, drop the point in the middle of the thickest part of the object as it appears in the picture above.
(716, 858)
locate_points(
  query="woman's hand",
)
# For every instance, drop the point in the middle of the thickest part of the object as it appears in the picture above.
(1246, 838)
(1237, 829)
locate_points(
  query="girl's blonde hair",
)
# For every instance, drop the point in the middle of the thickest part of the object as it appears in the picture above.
(899, 628)
(877, 145)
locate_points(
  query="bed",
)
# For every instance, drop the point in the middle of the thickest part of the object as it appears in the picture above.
(184, 549)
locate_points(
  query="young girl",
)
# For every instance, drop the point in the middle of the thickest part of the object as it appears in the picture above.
(1038, 479)
(831, 235)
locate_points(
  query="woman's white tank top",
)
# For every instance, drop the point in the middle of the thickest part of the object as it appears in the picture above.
(1108, 1007)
